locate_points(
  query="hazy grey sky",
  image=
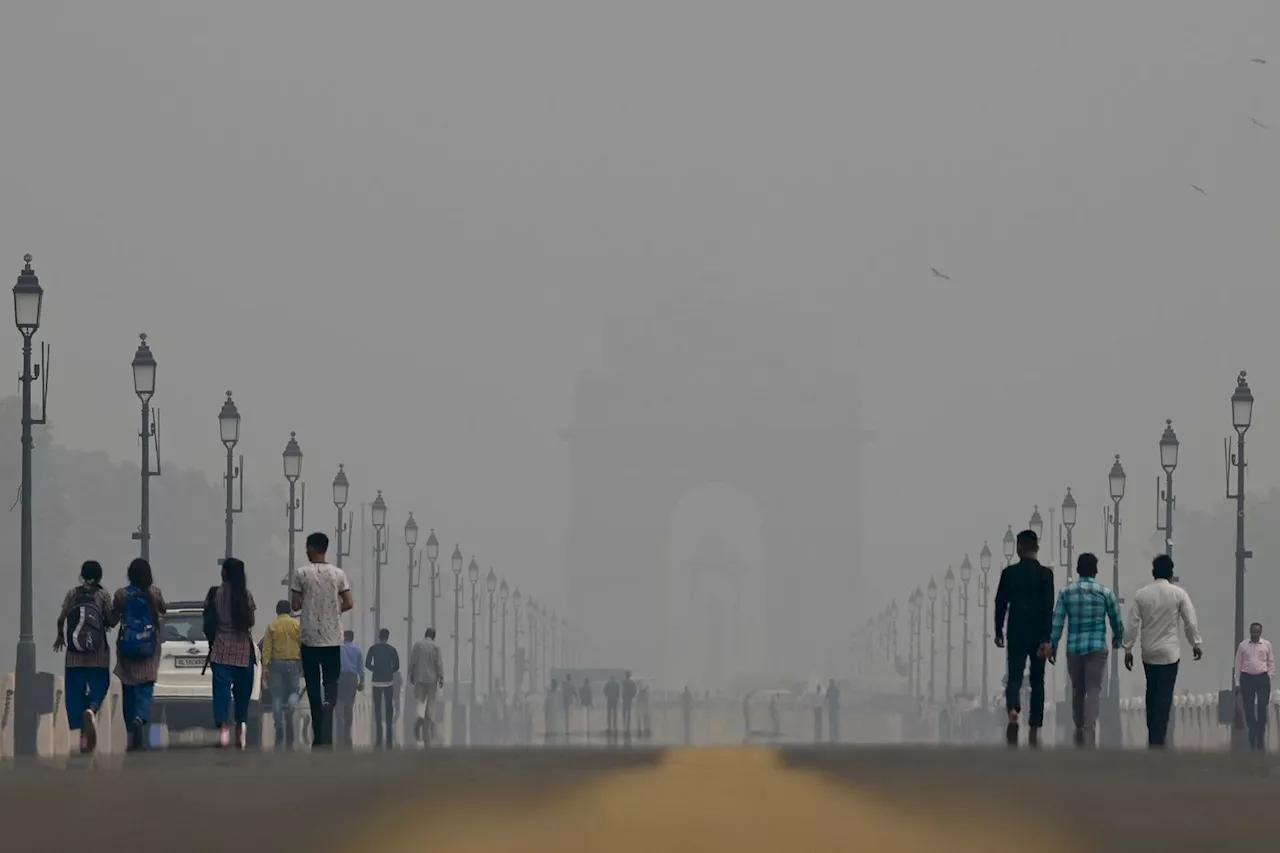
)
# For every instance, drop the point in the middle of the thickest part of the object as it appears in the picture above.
(395, 228)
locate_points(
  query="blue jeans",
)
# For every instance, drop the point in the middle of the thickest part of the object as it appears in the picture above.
(135, 702)
(87, 688)
(283, 678)
(228, 681)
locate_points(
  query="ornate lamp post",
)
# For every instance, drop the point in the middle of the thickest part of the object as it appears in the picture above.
(1068, 525)
(933, 635)
(515, 642)
(913, 642)
(229, 430)
(1010, 546)
(949, 585)
(1241, 418)
(292, 471)
(531, 616)
(984, 591)
(966, 572)
(1111, 526)
(457, 731)
(144, 385)
(28, 297)
(1036, 524)
(378, 518)
(341, 488)
(473, 575)
(1168, 461)
(491, 586)
(433, 552)
(415, 574)
(892, 613)
(503, 595)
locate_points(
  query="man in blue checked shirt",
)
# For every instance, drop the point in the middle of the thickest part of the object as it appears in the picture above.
(1084, 606)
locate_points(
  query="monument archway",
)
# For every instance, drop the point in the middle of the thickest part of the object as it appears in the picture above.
(708, 390)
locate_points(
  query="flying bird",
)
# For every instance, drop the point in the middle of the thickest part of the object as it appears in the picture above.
(1258, 61)
(939, 275)
(1258, 123)
(1198, 189)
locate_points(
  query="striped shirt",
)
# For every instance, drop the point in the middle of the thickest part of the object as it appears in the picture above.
(231, 647)
(1084, 606)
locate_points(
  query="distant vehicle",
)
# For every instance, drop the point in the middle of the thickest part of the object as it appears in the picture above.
(183, 693)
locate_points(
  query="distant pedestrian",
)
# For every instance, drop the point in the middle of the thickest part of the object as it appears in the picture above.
(833, 711)
(282, 670)
(612, 691)
(568, 696)
(137, 609)
(85, 617)
(320, 595)
(232, 657)
(642, 703)
(426, 675)
(549, 707)
(1158, 610)
(1025, 595)
(628, 697)
(1255, 667)
(383, 662)
(350, 682)
(585, 699)
(1083, 609)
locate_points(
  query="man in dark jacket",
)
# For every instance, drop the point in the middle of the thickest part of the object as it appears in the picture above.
(1025, 594)
(383, 662)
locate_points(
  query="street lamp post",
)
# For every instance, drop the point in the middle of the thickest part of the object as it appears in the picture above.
(229, 430)
(1036, 524)
(515, 642)
(531, 616)
(913, 643)
(433, 552)
(1111, 525)
(457, 732)
(503, 594)
(144, 385)
(933, 647)
(949, 585)
(378, 518)
(341, 488)
(292, 471)
(984, 590)
(1068, 549)
(966, 572)
(473, 575)
(27, 299)
(415, 575)
(491, 586)
(1168, 461)
(1241, 418)
(893, 633)
(1010, 545)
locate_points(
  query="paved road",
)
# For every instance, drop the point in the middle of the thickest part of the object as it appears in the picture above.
(455, 801)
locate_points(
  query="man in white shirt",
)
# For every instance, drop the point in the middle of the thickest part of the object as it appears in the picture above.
(1255, 665)
(1155, 614)
(320, 595)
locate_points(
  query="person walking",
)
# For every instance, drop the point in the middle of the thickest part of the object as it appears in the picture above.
(628, 697)
(1157, 611)
(426, 676)
(612, 690)
(1083, 609)
(137, 609)
(350, 682)
(85, 617)
(282, 671)
(833, 711)
(232, 657)
(1025, 595)
(1255, 667)
(383, 662)
(585, 700)
(568, 696)
(320, 595)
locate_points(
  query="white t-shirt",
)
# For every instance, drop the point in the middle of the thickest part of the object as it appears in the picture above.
(321, 586)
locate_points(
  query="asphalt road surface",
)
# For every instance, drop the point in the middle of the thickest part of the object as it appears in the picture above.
(732, 799)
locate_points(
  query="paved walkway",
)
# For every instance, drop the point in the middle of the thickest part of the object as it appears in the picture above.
(744, 800)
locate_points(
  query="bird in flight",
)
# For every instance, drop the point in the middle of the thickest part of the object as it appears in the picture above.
(1258, 123)
(1258, 61)
(939, 275)
(1198, 189)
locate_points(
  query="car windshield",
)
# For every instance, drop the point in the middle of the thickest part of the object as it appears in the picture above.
(182, 628)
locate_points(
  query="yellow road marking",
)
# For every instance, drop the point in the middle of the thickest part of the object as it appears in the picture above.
(737, 800)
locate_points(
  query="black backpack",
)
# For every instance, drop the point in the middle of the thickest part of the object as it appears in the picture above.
(85, 630)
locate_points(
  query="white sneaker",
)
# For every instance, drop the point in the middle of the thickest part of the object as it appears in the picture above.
(224, 736)
(242, 732)
(88, 731)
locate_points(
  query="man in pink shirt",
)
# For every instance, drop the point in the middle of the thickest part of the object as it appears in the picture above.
(1255, 665)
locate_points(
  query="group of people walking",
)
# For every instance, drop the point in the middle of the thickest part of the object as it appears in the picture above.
(1030, 624)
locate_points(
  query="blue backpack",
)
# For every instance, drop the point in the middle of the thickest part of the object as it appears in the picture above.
(137, 626)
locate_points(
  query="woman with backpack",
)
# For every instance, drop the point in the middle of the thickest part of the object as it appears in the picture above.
(232, 655)
(138, 608)
(82, 631)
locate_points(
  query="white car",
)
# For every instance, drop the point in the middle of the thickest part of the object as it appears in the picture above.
(184, 685)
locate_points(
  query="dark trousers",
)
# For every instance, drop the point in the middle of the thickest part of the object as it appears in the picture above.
(1161, 678)
(1019, 652)
(344, 713)
(384, 709)
(611, 716)
(1255, 691)
(320, 668)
